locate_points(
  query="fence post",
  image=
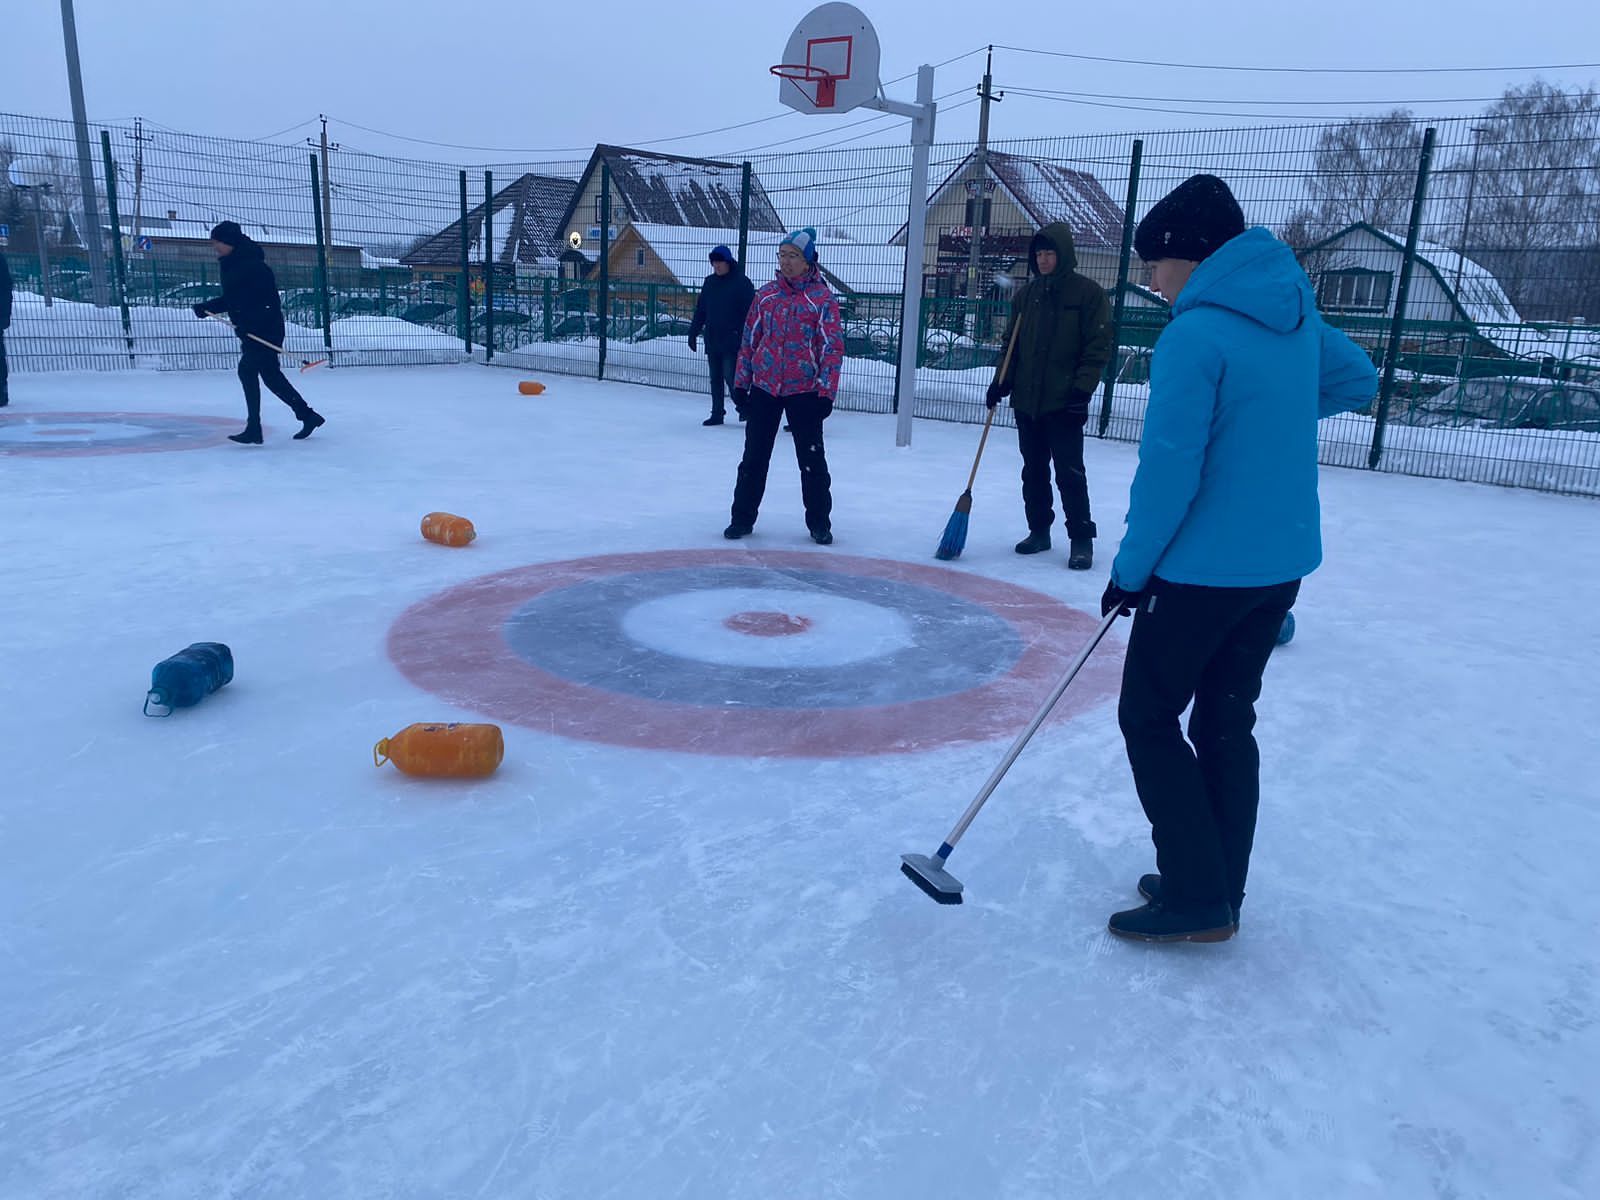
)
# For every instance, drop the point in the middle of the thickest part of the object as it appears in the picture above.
(488, 266)
(549, 331)
(603, 300)
(116, 241)
(1119, 304)
(1391, 357)
(744, 216)
(322, 260)
(464, 281)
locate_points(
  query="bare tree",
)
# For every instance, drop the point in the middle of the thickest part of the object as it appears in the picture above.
(1364, 170)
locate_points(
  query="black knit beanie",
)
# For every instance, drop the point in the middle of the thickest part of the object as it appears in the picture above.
(228, 233)
(1191, 221)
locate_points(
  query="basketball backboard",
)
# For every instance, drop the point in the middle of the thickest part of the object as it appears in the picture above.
(830, 64)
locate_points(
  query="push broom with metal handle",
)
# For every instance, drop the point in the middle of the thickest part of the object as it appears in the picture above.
(927, 871)
(305, 363)
(954, 540)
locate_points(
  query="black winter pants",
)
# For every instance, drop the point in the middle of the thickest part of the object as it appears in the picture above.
(722, 368)
(764, 413)
(258, 364)
(4, 395)
(1058, 437)
(1210, 646)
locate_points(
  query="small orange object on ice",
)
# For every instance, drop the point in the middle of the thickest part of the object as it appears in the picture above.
(447, 529)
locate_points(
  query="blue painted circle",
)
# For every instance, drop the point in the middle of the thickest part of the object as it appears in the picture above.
(578, 633)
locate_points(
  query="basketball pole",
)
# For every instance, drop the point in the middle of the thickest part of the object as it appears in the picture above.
(922, 117)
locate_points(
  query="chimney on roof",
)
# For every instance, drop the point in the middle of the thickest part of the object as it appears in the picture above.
(172, 214)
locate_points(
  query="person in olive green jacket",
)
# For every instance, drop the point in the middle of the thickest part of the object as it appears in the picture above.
(1062, 323)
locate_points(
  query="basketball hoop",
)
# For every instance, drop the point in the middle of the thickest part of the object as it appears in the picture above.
(803, 73)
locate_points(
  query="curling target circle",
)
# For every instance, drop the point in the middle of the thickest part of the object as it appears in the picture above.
(749, 653)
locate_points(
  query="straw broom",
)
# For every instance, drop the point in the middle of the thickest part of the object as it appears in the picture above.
(955, 530)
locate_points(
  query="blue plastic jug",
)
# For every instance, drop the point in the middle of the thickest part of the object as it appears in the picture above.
(188, 677)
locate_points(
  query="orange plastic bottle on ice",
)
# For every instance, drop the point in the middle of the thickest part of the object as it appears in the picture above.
(447, 529)
(451, 751)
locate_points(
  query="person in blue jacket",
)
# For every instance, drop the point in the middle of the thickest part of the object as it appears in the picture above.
(725, 299)
(1223, 523)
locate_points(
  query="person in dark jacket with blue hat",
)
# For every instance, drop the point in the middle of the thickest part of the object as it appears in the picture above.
(724, 302)
(250, 298)
(1223, 523)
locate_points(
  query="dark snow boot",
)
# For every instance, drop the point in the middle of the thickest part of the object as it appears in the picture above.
(736, 531)
(1156, 923)
(250, 435)
(1150, 889)
(309, 422)
(1036, 542)
(713, 419)
(1081, 556)
(822, 537)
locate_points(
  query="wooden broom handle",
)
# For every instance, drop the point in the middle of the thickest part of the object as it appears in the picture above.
(988, 422)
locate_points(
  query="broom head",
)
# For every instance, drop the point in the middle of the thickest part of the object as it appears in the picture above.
(955, 530)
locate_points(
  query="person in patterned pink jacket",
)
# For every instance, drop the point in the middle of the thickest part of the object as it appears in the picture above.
(789, 364)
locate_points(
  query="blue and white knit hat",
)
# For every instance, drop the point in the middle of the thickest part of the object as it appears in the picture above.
(805, 241)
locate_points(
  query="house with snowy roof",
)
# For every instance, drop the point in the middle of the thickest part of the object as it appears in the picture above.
(1463, 308)
(1009, 200)
(525, 221)
(659, 191)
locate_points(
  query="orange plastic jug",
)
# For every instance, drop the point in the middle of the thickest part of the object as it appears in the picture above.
(451, 751)
(531, 387)
(447, 529)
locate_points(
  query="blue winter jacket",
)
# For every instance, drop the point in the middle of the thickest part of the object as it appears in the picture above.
(1226, 490)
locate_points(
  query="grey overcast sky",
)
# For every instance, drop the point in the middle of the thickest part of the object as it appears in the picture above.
(516, 76)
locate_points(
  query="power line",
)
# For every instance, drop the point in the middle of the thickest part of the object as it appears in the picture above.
(1051, 93)
(1143, 62)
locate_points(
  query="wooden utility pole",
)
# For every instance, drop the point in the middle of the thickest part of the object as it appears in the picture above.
(327, 187)
(138, 138)
(979, 193)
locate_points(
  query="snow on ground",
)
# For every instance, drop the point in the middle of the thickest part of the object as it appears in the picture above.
(240, 961)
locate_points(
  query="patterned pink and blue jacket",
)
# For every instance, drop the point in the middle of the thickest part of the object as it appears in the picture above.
(793, 339)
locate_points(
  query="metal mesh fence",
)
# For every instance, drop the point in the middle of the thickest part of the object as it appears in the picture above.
(1464, 255)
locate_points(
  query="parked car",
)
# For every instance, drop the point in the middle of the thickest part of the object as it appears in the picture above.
(1501, 402)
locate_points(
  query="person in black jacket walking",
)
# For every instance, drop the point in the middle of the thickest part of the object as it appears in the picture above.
(5, 324)
(725, 298)
(250, 298)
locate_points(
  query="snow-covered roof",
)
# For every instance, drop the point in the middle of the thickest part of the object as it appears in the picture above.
(1475, 288)
(200, 231)
(670, 189)
(852, 267)
(1047, 191)
(527, 213)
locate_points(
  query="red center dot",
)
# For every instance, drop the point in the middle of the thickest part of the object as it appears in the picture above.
(768, 624)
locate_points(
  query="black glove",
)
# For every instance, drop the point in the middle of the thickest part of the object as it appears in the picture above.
(993, 396)
(741, 397)
(1078, 400)
(694, 347)
(1123, 601)
(200, 311)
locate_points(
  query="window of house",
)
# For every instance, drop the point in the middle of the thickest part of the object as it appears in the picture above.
(978, 212)
(1355, 291)
(638, 257)
(597, 220)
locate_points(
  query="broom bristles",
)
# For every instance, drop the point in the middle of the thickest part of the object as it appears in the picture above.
(955, 530)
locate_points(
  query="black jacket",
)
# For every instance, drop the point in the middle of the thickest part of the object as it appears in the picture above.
(5, 294)
(249, 294)
(720, 312)
(1062, 323)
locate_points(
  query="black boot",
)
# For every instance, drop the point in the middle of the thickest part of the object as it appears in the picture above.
(736, 531)
(822, 537)
(309, 422)
(1150, 889)
(249, 436)
(1035, 543)
(713, 419)
(1081, 555)
(1156, 923)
